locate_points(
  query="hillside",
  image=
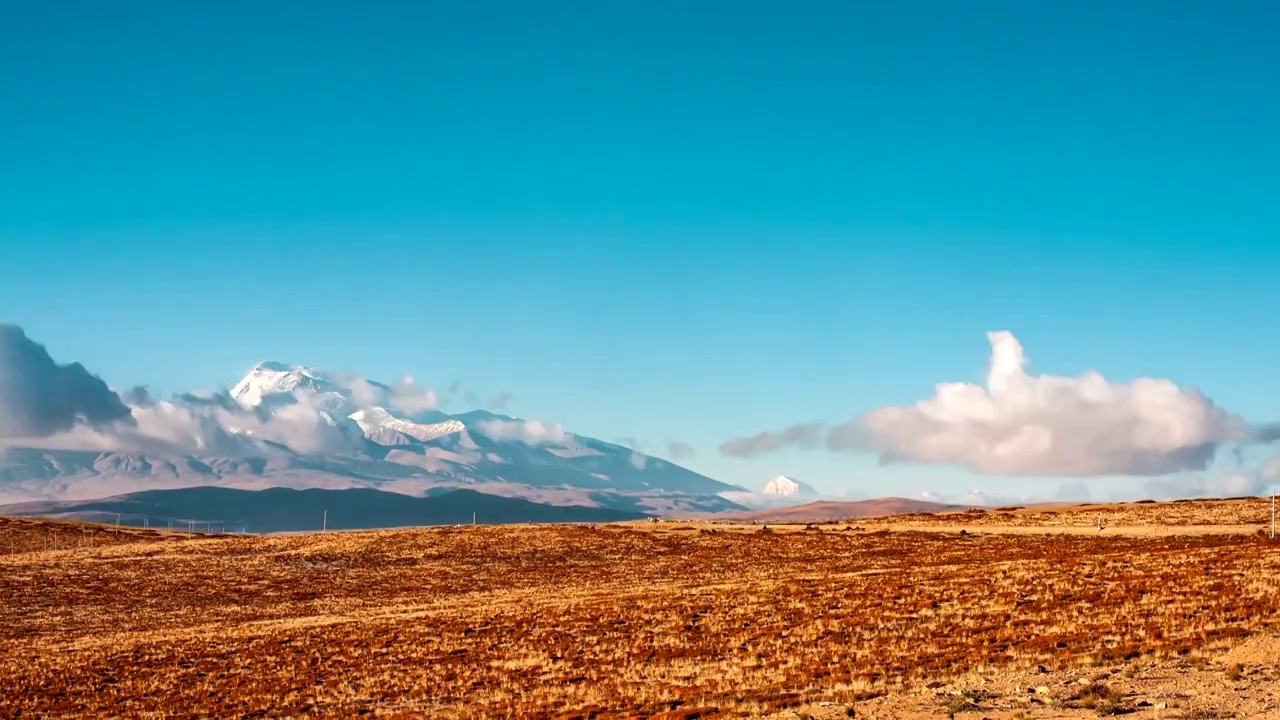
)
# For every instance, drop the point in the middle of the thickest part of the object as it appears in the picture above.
(830, 510)
(285, 509)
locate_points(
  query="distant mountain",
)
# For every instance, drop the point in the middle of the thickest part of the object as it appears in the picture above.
(783, 486)
(292, 426)
(827, 510)
(284, 509)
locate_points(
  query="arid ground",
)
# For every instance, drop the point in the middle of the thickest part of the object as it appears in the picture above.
(874, 619)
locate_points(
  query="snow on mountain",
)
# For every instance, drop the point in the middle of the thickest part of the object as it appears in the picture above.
(779, 492)
(269, 378)
(374, 420)
(783, 486)
(290, 425)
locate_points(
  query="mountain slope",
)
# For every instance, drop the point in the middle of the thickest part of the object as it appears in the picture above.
(284, 509)
(293, 426)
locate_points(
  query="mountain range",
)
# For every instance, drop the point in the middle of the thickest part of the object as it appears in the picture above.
(289, 426)
(220, 509)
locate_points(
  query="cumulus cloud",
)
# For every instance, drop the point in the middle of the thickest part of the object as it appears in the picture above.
(638, 461)
(680, 450)
(529, 432)
(1021, 424)
(411, 398)
(798, 436)
(499, 400)
(39, 397)
(364, 394)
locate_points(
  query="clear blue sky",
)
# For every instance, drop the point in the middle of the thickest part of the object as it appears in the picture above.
(665, 220)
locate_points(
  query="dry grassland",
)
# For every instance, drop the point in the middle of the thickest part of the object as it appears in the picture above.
(612, 621)
(29, 534)
(1238, 512)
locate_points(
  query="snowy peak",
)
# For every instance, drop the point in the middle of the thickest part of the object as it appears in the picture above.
(783, 486)
(376, 421)
(268, 378)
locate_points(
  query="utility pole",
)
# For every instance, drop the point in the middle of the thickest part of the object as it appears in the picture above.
(324, 527)
(473, 517)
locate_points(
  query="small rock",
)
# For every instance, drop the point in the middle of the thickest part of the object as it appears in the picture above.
(1042, 690)
(1161, 705)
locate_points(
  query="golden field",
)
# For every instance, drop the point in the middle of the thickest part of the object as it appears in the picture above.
(1220, 515)
(678, 620)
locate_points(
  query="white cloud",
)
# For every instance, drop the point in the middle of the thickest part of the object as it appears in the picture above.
(409, 397)
(529, 432)
(798, 436)
(638, 461)
(1046, 425)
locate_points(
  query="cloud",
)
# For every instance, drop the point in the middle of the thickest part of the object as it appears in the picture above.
(364, 394)
(1238, 483)
(1045, 425)
(628, 442)
(529, 432)
(799, 436)
(138, 395)
(680, 450)
(638, 461)
(1270, 471)
(39, 397)
(499, 400)
(407, 396)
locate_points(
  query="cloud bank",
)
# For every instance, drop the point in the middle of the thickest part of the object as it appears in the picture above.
(529, 432)
(39, 397)
(798, 436)
(1021, 424)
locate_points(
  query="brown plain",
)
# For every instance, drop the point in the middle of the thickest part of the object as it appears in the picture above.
(674, 619)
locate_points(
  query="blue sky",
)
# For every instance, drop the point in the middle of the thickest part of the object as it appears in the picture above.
(667, 221)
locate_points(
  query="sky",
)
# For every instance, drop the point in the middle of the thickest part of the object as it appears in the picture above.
(665, 221)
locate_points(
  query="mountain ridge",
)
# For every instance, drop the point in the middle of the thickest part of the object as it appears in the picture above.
(292, 510)
(294, 426)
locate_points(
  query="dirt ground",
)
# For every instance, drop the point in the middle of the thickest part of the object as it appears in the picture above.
(1243, 683)
(662, 620)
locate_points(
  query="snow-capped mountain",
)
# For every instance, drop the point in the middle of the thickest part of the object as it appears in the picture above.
(783, 486)
(294, 426)
(376, 423)
(271, 378)
(778, 492)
